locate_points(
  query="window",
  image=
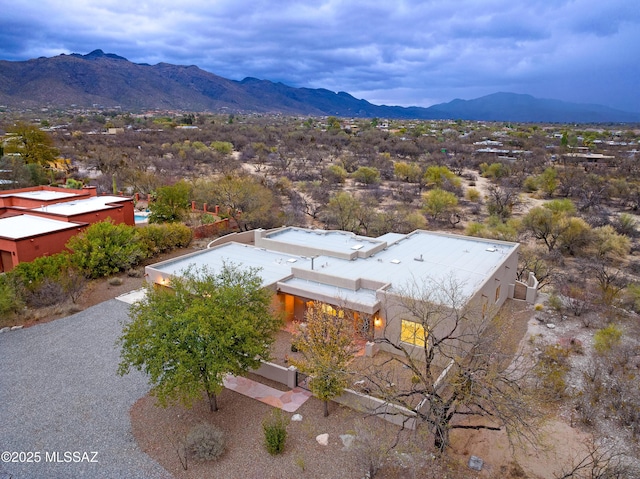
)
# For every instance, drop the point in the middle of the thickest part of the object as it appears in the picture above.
(497, 293)
(328, 309)
(413, 333)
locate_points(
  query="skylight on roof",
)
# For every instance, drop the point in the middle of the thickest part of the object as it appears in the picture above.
(357, 246)
(291, 260)
(395, 261)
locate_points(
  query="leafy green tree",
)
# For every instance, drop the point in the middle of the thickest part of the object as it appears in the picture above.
(343, 212)
(333, 123)
(495, 170)
(33, 144)
(609, 244)
(576, 235)
(105, 248)
(326, 344)
(409, 172)
(438, 203)
(437, 176)
(248, 202)
(366, 175)
(222, 147)
(188, 337)
(171, 203)
(549, 221)
(548, 181)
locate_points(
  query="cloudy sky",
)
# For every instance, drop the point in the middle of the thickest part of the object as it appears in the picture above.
(396, 52)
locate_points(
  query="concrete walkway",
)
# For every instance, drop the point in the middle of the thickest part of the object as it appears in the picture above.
(288, 401)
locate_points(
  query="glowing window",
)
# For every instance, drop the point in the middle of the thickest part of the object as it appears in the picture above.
(413, 333)
(328, 309)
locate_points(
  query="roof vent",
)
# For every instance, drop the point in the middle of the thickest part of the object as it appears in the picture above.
(419, 258)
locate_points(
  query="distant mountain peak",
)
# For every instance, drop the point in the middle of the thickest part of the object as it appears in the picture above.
(98, 53)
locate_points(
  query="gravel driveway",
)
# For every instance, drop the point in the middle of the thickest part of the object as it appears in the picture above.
(60, 396)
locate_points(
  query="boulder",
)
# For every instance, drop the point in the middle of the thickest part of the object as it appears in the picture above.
(475, 463)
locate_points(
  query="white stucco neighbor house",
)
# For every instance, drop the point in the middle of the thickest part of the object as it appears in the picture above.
(362, 274)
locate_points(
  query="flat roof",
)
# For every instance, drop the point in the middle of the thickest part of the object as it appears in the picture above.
(328, 240)
(41, 195)
(69, 208)
(25, 226)
(273, 266)
(419, 256)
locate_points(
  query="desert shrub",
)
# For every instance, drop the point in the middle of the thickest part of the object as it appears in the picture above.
(115, 281)
(135, 273)
(32, 273)
(179, 235)
(606, 338)
(475, 229)
(205, 442)
(47, 293)
(473, 195)
(275, 431)
(633, 297)
(46, 281)
(158, 238)
(207, 218)
(10, 299)
(105, 248)
(551, 369)
(555, 302)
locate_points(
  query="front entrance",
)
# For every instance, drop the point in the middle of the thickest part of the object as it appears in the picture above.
(6, 263)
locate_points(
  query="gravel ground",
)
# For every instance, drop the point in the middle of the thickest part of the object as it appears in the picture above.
(59, 392)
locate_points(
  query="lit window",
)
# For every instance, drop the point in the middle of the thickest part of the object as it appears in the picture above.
(328, 309)
(413, 333)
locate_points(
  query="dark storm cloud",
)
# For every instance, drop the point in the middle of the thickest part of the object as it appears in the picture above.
(406, 52)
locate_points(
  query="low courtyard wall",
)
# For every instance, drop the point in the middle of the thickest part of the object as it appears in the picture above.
(358, 401)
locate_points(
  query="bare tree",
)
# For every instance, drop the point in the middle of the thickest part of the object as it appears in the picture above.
(599, 462)
(460, 378)
(502, 201)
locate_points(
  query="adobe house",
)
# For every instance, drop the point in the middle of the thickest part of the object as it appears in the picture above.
(361, 274)
(39, 221)
(24, 238)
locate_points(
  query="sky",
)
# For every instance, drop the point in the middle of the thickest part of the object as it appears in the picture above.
(393, 52)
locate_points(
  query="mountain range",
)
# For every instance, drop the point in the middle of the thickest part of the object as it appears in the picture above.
(108, 80)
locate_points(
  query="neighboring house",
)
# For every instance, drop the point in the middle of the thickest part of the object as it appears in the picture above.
(361, 274)
(39, 221)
